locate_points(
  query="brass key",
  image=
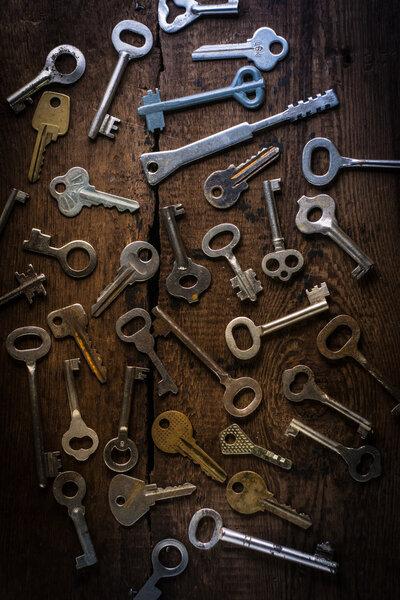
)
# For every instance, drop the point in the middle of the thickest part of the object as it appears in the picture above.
(172, 432)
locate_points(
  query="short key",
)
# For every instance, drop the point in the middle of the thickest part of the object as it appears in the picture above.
(29, 284)
(149, 591)
(194, 10)
(15, 196)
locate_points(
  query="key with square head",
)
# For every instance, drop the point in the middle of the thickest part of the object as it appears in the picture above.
(193, 11)
(29, 284)
(47, 463)
(15, 196)
(72, 321)
(76, 511)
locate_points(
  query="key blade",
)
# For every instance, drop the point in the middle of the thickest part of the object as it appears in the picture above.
(312, 106)
(271, 457)
(189, 448)
(176, 491)
(286, 512)
(43, 139)
(125, 276)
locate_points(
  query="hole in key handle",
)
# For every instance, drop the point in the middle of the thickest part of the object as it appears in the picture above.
(217, 231)
(349, 348)
(28, 354)
(173, 547)
(194, 525)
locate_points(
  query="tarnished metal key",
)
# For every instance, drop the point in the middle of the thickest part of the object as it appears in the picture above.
(29, 284)
(193, 11)
(15, 196)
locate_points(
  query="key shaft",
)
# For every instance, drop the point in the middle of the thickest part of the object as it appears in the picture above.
(15, 196)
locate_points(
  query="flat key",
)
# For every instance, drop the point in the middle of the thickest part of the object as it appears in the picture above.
(144, 342)
(149, 591)
(29, 284)
(184, 267)
(73, 321)
(328, 225)
(15, 196)
(77, 193)
(311, 391)
(163, 325)
(172, 432)
(193, 11)
(76, 511)
(233, 440)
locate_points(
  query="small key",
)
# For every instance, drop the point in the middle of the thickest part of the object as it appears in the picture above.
(77, 193)
(233, 440)
(51, 119)
(288, 261)
(149, 591)
(351, 456)
(318, 304)
(163, 325)
(245, 281)
(29, 284)
(328, 225)
(48, 75)
(194, 10)
(122, 445)
(103, 122)
(350, 348)
(76, 511)
(132, 269)
(172, 432)
(47, 463)
(222, 189)
(311, 391)
(322, 559)
(247, 493)
(15, 196)
(184, 267)
(73, 321)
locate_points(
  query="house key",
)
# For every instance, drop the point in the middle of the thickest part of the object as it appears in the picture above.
(193, 11)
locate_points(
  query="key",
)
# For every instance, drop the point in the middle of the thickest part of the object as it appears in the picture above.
(233, 440)
(322, 559)
(76, 511)
(15, 196)
(149, 591)
(311, 391)
(163, 325)
(194, 10)
(328, 225)
(247, 493)
(122, 444)
(288, 261)
(132, 269)
(318, 304)
(172, 432)
(29, 284)
(249, 93)
(103, 122)
(48, 75)
(40, 243)
(350, 348)
(184, 267)
(47, 463)
(77, 193)
(50, 120)
(73, 321)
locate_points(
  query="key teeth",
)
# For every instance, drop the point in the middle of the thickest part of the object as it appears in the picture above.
(108, 125)
(318, 293)
(161, 327)
(255, 284)
(53, 463)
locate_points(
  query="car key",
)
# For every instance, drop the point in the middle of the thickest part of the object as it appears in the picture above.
(15, 196)
(193, 11)
(29, 284)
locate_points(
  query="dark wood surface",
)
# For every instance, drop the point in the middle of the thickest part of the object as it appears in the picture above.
(350, 46)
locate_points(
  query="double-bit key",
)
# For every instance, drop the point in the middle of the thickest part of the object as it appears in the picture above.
(193, 11)
(29, 284)
(15, 196)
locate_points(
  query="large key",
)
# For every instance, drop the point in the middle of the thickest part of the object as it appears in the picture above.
(184, 268)
(172, 432)
(193, 11)
(47, 463)
(76, 511)
(318, 304)
(322, 559)
(311, 391)
(327, 225)
(77, 193)
(103, 122)
(350, 348)
(73, 321)
(29, 284)
(144, 342)
(149, 591)
(48, 75)
(163, 325)
(15, 196)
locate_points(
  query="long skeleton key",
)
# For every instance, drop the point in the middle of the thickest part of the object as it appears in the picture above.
(163, 325)
(29, 284)
(233, 440)
(311, 391)
(350, 348)
(103, 122)
(48, 75)
(78, 193)
(320, 560)
(76, 511)
(47, 463)
(184, 266)
(15, 196)
(72, 321)
(318, 304)
(328, 225)
(194, 10)
(172, 432)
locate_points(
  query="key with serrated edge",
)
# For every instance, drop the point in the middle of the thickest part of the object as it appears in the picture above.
(29, 284)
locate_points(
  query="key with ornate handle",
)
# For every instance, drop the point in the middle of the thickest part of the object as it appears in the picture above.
(193, 11)
(29, 284)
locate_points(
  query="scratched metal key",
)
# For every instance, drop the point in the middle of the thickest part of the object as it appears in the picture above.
(29, 284)
(15, 196)
(193, 11)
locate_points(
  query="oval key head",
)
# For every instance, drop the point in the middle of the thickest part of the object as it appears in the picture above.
(139, 335)
(65, 78)
(134, 27)
(28, 354)
(71, 183)
(168, 427)
(145, 268)
(235, 386)
(244, 491)
(335, 161)
(350, 348)
(309, 390)
(210, 235)
(353, 458)
(325, 204)
(190, 293)
(162, 570)
(254, 332)
(118, 446)
(69, 477)
(194, 523)
(252, 75)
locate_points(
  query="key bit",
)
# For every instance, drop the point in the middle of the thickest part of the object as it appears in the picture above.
(29, 284)
(15, 196)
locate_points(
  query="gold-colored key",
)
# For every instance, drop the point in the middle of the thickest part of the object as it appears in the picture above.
(247, 493)
(50, 120)
(172, 432)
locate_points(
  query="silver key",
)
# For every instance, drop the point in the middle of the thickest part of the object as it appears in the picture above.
(194, 10)
(15, 196)
(328, 225)
(76, 511)
(103, 122)
(245, 281)
(77, 193)
(29, 284)
(48, 75)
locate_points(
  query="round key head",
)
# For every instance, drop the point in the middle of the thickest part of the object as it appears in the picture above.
(244, 491)
(28, 355)
(122, 447)
(161, 570)
(168, 428)
(64, 251)
(65, 78)
(254, 332)
(134, 27)
(286, 263)
(144, 267)
(69, 477)
(309, 390)
(210, 235)
(255, 97)
(194, 523)
(65, 189)
(335, 161)
(307, 205)
(349, 348)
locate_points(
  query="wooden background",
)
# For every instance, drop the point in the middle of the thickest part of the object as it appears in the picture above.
(349, 46)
